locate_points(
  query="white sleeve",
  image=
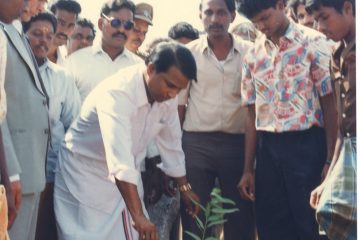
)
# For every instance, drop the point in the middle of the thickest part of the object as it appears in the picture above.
(114, 111)
(169, 144)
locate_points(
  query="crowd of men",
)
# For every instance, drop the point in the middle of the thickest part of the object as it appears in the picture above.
(106, 141)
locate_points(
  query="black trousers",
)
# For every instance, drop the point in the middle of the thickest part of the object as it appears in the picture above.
(288, 168)
(217, 155)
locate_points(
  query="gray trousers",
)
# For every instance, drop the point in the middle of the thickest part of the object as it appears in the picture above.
(25, 223)
(217, 155)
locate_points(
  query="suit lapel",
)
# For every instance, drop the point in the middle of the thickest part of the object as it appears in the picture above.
(16, 40)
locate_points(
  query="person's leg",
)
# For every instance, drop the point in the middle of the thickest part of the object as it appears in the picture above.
(230, 159)
(272, 209)
(25, 223)
(200, 174)
(46, 224)
(302, 163)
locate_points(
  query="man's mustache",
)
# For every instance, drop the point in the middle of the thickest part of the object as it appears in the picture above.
(215, 26)
(119, 34)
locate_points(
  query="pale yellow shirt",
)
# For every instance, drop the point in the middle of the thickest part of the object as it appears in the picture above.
(214, 102)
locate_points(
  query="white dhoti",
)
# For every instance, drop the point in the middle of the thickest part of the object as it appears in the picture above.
(104, 217)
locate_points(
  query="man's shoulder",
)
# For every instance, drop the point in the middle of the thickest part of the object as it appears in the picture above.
(81, 54)
(197, 44)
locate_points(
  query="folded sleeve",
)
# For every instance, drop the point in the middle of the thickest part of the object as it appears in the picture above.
(115, 110)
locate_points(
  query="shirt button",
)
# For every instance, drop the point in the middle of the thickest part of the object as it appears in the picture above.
(44, 102)
(343, 95)
(343, 115)
(46, 131)
(348, 134)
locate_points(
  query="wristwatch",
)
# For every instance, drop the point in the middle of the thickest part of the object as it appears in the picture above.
(184, 188)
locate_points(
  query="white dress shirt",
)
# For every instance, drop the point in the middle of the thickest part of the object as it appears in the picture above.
(91, 65)
(64, 106)
(108, 140)
(61, 53)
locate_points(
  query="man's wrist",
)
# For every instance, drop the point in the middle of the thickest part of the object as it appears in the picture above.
(185, 188)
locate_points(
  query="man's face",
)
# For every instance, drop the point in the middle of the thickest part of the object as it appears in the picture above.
(303, 17)
(268, 21)
(115, 37)
(65, 26)
(137, 35)
(166, 85)
(216, 17)
(10, 10)
(40, 34)
(41, 5)
(29, 10)
(333, 24)
(81, 37)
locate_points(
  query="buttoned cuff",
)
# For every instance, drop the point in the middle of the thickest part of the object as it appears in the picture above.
(127, 175)
(177, 171)
(14, 178)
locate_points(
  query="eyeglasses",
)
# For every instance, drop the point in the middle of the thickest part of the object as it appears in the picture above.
(116, 23)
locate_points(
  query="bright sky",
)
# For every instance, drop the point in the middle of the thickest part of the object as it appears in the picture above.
(166, 14)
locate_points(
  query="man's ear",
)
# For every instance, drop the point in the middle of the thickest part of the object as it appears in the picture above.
(101, 24)
(150, 69)
(348, 8)
(280, 5)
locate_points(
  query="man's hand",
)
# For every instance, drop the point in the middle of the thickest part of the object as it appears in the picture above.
(146, 229)
(16, 190)
(188, 198)
(12, 212)
(315, 195)
(246, 186)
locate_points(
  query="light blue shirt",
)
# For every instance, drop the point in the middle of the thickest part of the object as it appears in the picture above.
(64, 106)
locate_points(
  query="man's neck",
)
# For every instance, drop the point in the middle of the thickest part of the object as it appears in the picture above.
(221, 46)
(280, 31)
(40, 61)
(112, 52)
(145, 80)
(52, 54)
(351, 34)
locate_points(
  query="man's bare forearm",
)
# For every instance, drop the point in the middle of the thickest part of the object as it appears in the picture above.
(250, 140)
(131, 197)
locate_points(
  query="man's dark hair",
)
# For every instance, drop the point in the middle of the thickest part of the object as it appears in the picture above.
(314, 5)
(167, 54)
(66, 5)
(250, 8)
(230, 4)
(116, 5)
(294, 4)
(44, 16)
(183, 29)
(83, 22)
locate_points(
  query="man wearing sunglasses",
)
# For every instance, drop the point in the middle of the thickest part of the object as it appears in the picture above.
(110, 55)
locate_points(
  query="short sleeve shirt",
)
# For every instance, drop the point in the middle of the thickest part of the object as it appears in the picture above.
(285, 82)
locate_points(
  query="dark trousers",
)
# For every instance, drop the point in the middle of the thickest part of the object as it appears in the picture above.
(288, 168)
(217, 155)
(46, 224)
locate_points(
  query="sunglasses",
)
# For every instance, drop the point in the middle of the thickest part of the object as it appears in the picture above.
(116, 23)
